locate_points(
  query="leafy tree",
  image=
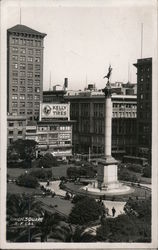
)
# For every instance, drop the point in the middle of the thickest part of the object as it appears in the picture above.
(80, 171)
(27, 180)
(84, 211)
(147, 171)
(126, 175)
(42, 174)
(47, 161)
(24, 148)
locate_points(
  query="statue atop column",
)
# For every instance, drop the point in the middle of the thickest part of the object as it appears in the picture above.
(107, 89)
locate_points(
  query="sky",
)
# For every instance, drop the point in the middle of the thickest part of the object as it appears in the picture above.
(83, 39)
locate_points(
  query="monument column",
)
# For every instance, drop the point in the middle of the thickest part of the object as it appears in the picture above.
(107, 166)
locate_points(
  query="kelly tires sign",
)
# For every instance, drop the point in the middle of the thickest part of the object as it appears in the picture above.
(52, 110)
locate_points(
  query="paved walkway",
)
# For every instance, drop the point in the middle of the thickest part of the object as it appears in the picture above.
(118, 205)
(54, 186)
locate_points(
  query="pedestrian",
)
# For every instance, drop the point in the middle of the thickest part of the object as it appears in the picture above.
(107, 211)
(113, 211)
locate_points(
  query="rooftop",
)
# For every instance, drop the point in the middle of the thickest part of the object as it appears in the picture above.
(24, 29)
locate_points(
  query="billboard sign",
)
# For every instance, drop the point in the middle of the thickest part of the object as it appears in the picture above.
(55, 110)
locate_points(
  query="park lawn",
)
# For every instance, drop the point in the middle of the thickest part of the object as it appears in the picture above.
(62, 206)
(15, 189)
(56, 171)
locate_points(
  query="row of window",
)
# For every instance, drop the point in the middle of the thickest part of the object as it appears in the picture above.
(23, 97)
(24, 58)
(24, 82)
(24, 50)
(23, 89)
(11, 132)
(23, 74)
(24, 112)
(26, 42)
(23, 104)
(53, 128)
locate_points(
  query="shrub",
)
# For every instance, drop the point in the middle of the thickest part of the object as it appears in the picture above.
(125, 175)
(42, 174)
(147, 171)
(135, 168)
(27, 180)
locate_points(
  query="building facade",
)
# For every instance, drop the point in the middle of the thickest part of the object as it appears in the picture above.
(88, 109)
(144, 106)
(54, 129)
(24, 71)
(16, 128)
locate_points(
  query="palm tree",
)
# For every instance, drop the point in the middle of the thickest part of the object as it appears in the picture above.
(54, 228)
(20, 207)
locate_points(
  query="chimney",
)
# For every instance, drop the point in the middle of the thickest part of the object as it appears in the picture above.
(65, 83)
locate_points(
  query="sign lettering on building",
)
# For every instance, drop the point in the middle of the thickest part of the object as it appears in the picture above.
(52, 110)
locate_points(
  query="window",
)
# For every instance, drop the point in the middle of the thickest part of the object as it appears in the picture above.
(15, 50)
(22, 66)
(38, 52)
(22, 81)
(36, 112)
(11, 124)
(30, 51)
(15, 40)
(29, 89)
(19, 132)
(15, 73)
(14, 112)
(37, 67)
(14, 97)
(37, 97)
(29, 74)
(22, 89)
(22, 97)
(15, 65)
(29, 112)
(14, 57)
(30, 81)
(29, 104)
(29, 97)
(22, 58)
(14, 104)
(37, 82)
(20, 124)
(22, 41)
(14, 88)
(22, 73)
(30, 59)
(37, 59)
(11, 132)
(30, 66)
(22, 112)
(37, 105)
(23, 50)
(37, 89)
(22, 104)
(37, 75)
(37, 43)
(141, 96)
(15, 81)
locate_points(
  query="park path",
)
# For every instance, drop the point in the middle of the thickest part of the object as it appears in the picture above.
(118, 205)
(54, 187)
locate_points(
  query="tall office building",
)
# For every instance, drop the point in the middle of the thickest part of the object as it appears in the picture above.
(24, 71)
(144, 106)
